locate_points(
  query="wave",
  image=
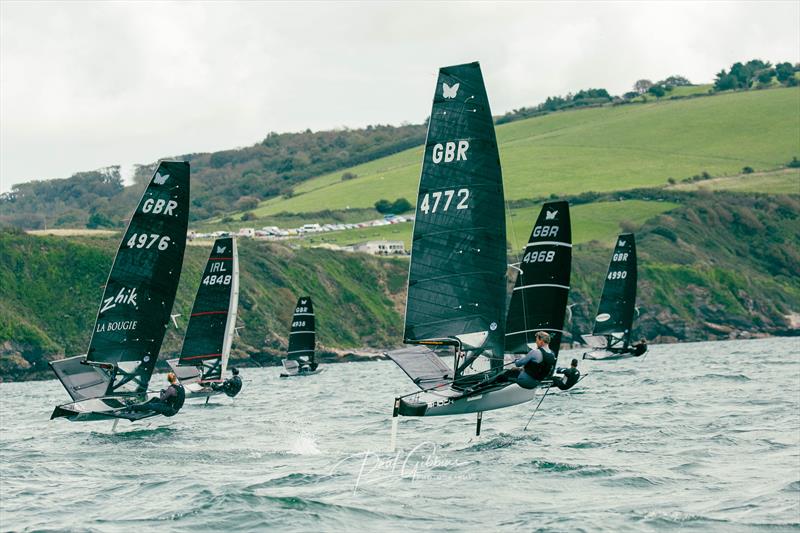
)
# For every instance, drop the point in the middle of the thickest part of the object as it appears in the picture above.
(579, 469)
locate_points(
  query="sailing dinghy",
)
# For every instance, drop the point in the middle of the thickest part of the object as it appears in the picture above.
(300, 359)
(209, 334)
(135, 309)
(457, 277)
(611, 336)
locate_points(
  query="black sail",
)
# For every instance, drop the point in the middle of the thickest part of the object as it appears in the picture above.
(539, 299)
(617, 304)
(140, 291)
(209, 335)
(457, 277)
(303, 333)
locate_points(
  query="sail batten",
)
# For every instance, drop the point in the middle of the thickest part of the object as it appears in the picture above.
(140, 291)
(618, 301)
(457, 276)
(539, 297)
(209, 334)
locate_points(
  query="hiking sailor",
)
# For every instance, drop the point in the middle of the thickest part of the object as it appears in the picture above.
(538, 365)
(231, 386)
(639, 348)
(569, 376)
(169, 401)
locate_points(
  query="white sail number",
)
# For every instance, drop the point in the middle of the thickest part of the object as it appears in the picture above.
(620, 257)
(450, 151)
(159, 206)
(539, 257)
(299, 324)
(462, 196)
(545, 231)
(301, 309)
(618, 274)
(147, 240)
(213, 279)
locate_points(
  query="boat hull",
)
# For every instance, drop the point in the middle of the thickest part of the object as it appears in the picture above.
(445, 402)
(94, 409)
(302, 374)
(606, 355)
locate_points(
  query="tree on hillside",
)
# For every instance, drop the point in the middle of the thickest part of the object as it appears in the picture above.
(642, 86)
(675, 81)
(657, 90)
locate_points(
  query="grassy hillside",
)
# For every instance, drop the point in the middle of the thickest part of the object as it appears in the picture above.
(599, 149)
(713, 267)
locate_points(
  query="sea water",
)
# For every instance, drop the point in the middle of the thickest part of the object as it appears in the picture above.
(702, 436)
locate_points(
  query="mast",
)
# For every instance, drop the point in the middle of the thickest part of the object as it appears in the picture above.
(302, 337)
(209, 334)
(457, 276)
(617, 304)
(141, 286)
(539, 298)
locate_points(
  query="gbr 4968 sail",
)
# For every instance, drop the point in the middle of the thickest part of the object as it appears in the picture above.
(135, 308)
(209, 334)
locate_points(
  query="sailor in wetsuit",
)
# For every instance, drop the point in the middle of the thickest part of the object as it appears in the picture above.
(305, 367)
(169, 401)
(530, 370)
(640, 347)
(538, 365)
(231, 386)
(570, 376)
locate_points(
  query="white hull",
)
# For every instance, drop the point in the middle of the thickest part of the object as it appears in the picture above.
(105, 408)
(606, 355)
(448, 401)
(302, 374)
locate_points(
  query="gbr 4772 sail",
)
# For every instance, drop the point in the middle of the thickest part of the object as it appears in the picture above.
(457, 277)
(135, 308)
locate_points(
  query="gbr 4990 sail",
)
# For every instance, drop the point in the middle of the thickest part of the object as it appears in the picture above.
(212, 323)
(611, 335)
(136, 305)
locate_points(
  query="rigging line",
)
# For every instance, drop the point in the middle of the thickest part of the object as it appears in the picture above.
(537, 406)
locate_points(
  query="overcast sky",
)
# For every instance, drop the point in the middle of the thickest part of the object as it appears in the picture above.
(87, 85)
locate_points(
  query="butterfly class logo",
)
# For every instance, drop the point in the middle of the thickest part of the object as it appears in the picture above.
(550, 215)
(621, 243)
(450, 91)
(159, 179)
(221, 249)
(303, 302)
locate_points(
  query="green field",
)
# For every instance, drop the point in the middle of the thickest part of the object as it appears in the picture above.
(598, 221)
(785, 181)
(599, 149)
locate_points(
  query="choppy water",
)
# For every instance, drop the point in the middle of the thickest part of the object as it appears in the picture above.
(696, 436)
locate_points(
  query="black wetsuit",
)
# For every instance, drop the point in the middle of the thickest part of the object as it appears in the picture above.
(639, 349)
(232, 386)
(572, 374)
(168, 403)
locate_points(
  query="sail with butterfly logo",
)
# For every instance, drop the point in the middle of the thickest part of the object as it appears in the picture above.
(457, 280)
(135, 307)
(613, 324)
(539, 298)
(301, 355)
(209, 334)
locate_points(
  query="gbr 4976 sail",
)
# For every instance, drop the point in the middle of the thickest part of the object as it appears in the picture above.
(212, 323)
(136, 305)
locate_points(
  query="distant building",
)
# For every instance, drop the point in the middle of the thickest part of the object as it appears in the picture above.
(247, 232)
(381, 247)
